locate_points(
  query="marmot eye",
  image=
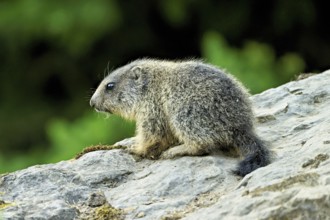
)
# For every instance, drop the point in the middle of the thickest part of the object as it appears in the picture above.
(110, 86)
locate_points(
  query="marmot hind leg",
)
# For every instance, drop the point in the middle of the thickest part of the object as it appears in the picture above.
(182, 150)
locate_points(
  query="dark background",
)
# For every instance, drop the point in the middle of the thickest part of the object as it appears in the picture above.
(54, 53)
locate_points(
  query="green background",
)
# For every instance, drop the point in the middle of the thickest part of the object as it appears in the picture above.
(53, 53)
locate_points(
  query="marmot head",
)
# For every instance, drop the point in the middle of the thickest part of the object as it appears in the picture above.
(121, 91)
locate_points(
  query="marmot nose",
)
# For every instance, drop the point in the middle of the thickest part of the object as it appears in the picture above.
(92, 103)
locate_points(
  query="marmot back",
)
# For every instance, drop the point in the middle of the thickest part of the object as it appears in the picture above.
(182, 108)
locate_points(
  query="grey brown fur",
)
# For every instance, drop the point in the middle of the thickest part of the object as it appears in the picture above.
(182, 108)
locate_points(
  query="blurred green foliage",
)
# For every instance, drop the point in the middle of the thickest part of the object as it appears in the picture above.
(67, 138)
(52, 52)
(72, 24)
(253, 58)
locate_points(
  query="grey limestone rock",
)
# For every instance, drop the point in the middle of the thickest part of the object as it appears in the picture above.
(293, 118)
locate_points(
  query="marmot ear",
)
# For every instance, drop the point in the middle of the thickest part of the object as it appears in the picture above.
(136, 72)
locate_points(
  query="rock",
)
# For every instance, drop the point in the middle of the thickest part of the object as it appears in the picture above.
(293, 118)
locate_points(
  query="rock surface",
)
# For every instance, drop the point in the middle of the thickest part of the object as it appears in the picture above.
(293, 118)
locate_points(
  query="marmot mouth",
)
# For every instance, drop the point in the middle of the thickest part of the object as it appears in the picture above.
(103, 110)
